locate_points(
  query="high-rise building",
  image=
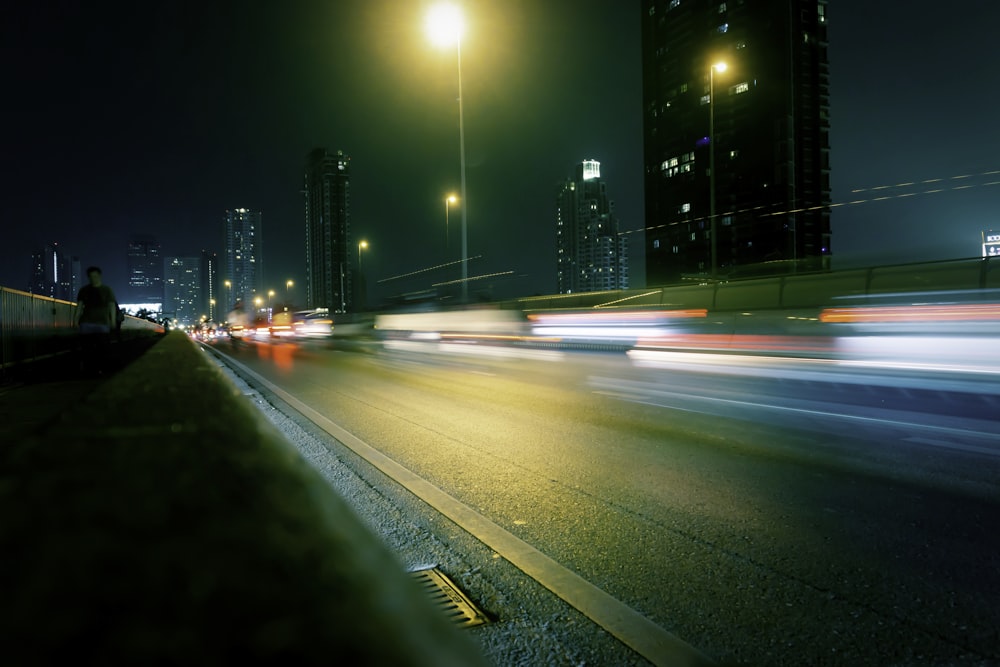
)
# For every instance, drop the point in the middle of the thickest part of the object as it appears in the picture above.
(243, 256)
(770, 133)
(145, 270)
(211, 305)
(182, 296)
(328, 231)
(51, 273)
(591, 255)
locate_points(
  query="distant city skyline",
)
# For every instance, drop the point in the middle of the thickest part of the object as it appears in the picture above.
(232, 131)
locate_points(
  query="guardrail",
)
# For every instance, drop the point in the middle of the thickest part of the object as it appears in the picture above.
(34, 327)
(795, 291)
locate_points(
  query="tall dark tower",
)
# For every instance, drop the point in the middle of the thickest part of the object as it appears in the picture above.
(590, 253)
(328, 231)
(243, 257)
(145, 270)
(771, 135)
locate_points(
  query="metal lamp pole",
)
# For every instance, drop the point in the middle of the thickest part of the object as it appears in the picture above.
(720, 67)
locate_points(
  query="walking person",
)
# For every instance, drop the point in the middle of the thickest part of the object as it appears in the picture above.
(97, 317)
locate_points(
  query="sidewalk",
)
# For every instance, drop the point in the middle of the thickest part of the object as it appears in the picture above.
(33, 395)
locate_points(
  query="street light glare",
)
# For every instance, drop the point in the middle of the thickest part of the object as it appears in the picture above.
(363, 244)
(720, 67)
(445, 25)
(452, 199)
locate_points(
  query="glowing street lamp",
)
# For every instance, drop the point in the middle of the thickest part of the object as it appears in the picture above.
(288, 285)
(229, 289)
(448, 201)
(363, 245)
(719, 67)
(445, 26)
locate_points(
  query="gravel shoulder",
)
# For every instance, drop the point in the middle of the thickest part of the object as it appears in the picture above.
(530, 625)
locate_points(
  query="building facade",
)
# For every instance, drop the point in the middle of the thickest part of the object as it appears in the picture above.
(182, 293)
(145, 271)
(591, 254)
(52, 273)
(329, 278)
(768, 120)
(242, 257)
(212, 305)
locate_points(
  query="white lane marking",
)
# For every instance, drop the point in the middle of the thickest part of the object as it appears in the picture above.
(645, 637)
(649, 394)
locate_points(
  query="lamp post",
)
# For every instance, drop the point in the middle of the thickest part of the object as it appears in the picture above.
(719, 67)
(270, 308)
(362, 288)
(211, 309)
(362, 245)
(288, 286)
(444, 25)
(448, 201)
(229, 291)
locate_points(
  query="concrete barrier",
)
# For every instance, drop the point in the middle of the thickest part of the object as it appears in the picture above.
(163, 520)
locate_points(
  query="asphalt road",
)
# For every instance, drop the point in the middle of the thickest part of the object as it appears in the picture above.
(765, 511)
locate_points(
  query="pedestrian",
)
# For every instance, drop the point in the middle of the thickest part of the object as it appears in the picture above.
(97, 317)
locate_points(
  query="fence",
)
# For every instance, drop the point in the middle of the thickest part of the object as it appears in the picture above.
(34, 327)
(796, 291)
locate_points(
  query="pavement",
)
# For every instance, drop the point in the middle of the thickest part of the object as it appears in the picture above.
(152, 516)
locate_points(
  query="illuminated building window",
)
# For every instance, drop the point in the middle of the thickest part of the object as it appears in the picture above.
(739, 88)
(722, 7)
(656, 244)
(723, 28)
(685, 208)
(675, 3)
(705, 99)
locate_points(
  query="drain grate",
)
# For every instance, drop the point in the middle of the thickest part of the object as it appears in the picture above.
(447, 597)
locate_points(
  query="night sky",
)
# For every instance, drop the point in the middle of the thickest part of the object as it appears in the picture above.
(139, 117)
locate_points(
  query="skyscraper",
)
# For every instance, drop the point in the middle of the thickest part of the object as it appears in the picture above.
(145, 270)
(771, 136)
(243, 253)
(328, 230)
(51, 273)
(182, 297)
(211, 304)
(590, 253)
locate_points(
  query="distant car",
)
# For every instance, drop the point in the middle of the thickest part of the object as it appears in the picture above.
(281, 325)
(314, 325)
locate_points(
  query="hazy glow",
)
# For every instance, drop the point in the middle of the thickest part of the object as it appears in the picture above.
(445, 25)
(720, 67)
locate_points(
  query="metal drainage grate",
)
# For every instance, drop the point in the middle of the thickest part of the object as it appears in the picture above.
(446, 596)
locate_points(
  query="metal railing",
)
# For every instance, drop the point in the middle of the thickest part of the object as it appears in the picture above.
(800, 290)
(34, 327)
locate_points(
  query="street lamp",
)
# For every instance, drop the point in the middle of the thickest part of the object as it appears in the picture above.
(362, 288)
(211, 309)
(445, 25)
(270, 295)
(229, 289)
(362, 245)
(719, 67)
(448, 201)
(288, 285)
